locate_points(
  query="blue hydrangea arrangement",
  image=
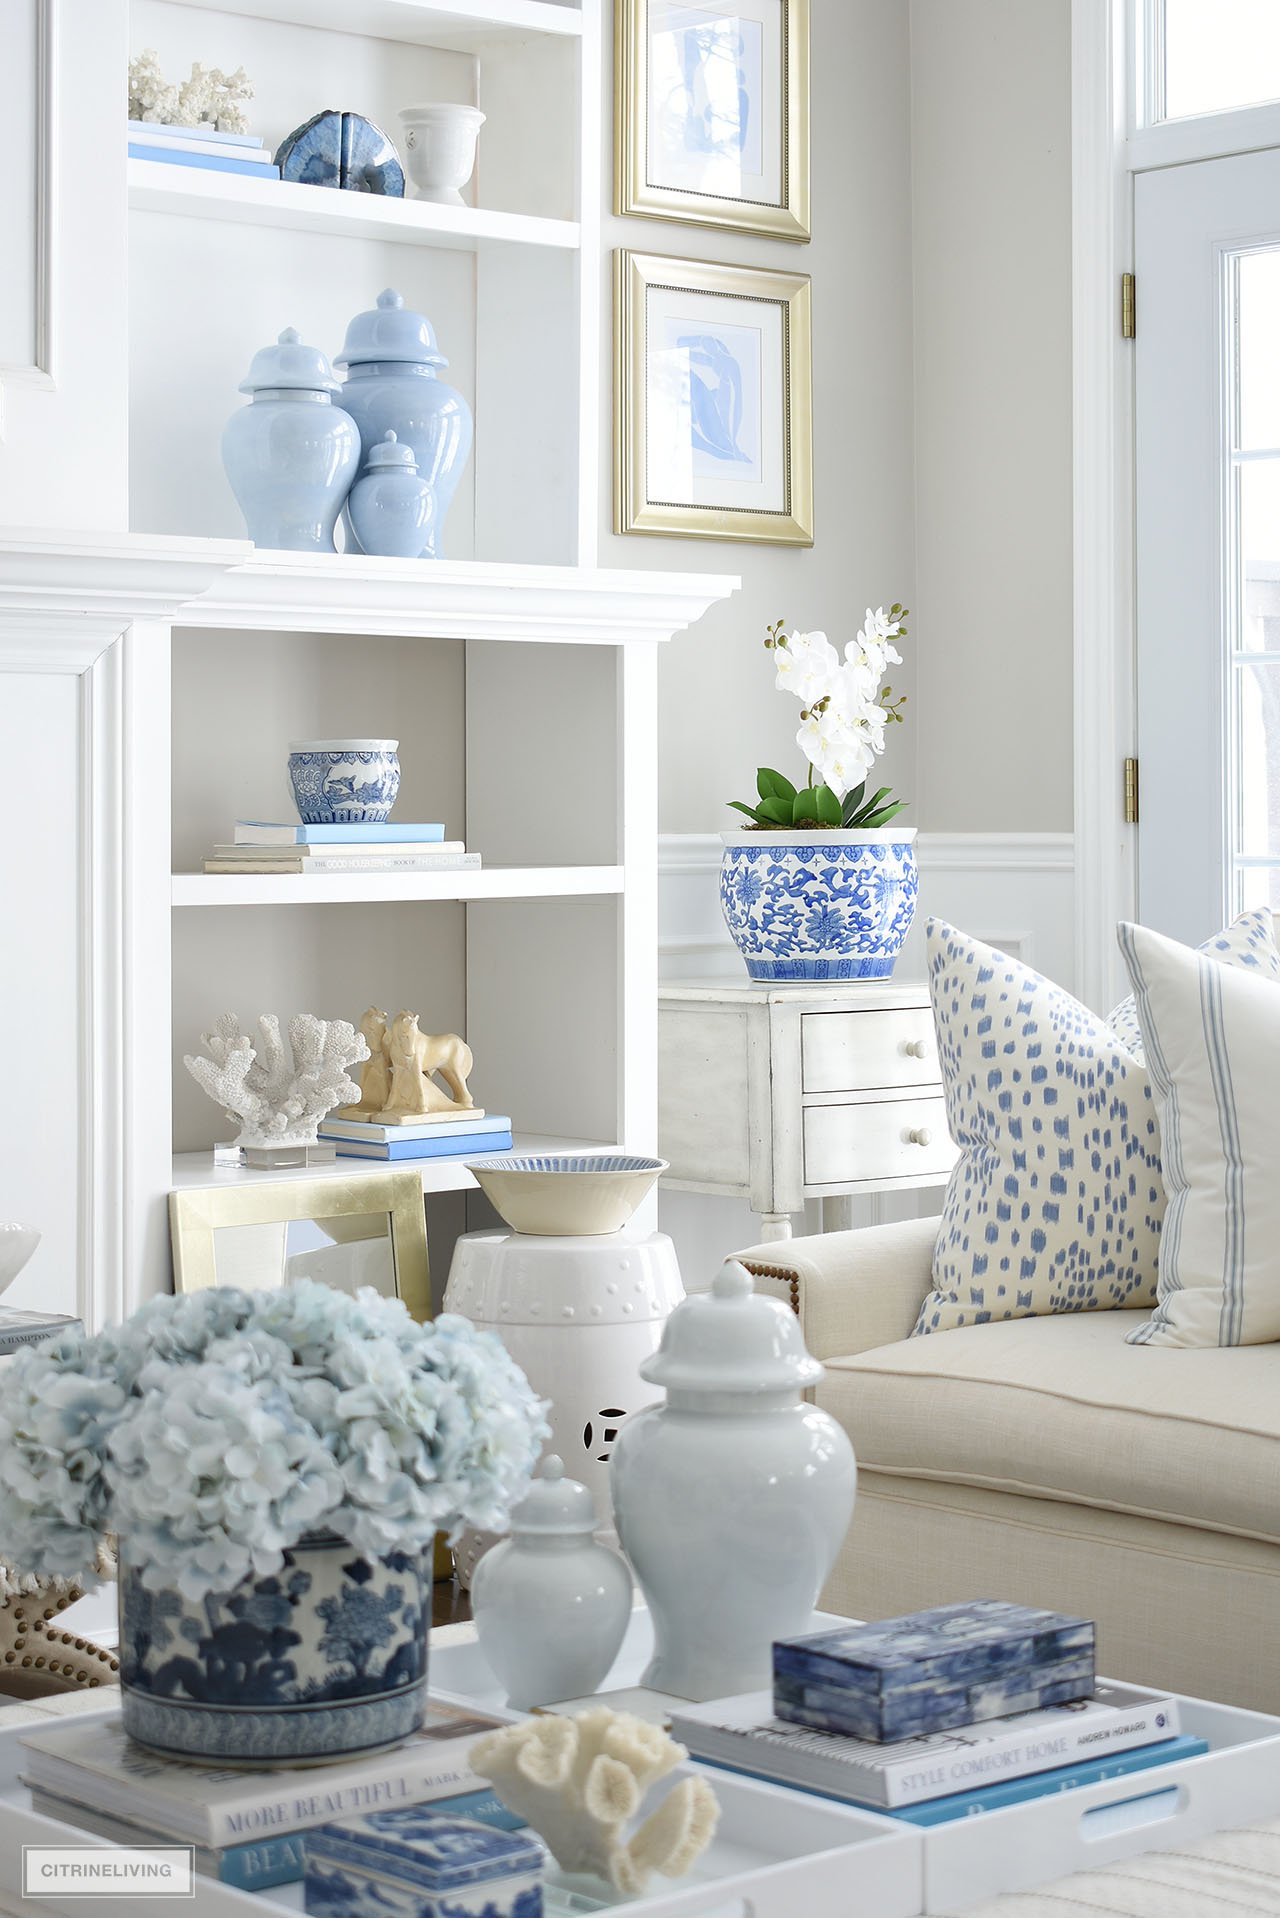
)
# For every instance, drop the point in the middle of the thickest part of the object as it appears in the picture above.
(215, 1429)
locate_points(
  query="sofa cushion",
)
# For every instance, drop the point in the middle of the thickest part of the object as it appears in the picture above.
(1065, 1408)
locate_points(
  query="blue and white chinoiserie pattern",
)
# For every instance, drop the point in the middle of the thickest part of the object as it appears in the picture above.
(324, 1660)
(344, 782)
(416, 1862)
(819, 905)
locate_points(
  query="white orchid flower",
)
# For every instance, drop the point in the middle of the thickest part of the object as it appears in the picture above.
(807, 665)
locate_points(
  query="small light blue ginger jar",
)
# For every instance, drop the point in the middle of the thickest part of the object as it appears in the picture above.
(291, 454)
(391, 507)
(393, 385)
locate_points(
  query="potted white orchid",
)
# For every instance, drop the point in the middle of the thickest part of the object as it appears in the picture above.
(822, 886)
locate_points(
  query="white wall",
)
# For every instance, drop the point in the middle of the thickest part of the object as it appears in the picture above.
(719, 716)
(991, 252)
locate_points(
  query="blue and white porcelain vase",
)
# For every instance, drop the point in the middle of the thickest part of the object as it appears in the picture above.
(344, 782)
(291, 454)
(392, 385)
(391, 508)
(819, 905)
(324, 1660)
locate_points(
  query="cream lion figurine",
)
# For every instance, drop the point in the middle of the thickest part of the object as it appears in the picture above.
(579, 1781)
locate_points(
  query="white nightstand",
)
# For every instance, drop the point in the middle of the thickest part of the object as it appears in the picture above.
(778, 1094)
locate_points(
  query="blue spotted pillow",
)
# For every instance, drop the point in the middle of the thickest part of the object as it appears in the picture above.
(1056, 1200)
(1248, 942)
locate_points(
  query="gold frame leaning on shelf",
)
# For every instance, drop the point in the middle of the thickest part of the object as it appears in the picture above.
(196, 1216)
(780, 182)
(696, 463)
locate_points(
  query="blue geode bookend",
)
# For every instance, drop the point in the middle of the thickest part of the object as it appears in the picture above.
(413, 1862)
(342, 150)
(933, 1671)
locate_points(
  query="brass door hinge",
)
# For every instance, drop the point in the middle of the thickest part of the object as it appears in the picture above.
(1130, 792)
(1128, 307)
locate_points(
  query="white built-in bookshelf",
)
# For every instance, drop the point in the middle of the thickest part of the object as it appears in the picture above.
(156, 666)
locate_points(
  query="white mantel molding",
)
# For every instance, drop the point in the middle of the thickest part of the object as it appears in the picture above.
(100, 582)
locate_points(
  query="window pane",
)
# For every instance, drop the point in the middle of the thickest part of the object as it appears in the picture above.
(1259, 336)
(1259, 482)
(1258, 886)
(1220, 54)
(1259, 750)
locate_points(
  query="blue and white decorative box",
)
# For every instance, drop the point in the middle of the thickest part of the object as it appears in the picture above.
(413, 1862)
(933, 1671)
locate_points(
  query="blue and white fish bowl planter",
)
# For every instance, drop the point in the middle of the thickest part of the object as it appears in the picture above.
(819, 905)
(344, 782)
(325, 1660)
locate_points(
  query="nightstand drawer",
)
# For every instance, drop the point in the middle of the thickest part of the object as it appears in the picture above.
(883, 1139)
(860, 1051)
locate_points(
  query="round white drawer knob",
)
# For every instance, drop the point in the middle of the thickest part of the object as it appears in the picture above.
(919, 1135)
(916, 1048)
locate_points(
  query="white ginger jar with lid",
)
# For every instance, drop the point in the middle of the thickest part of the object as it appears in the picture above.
(551, 1605)
(733, 1498)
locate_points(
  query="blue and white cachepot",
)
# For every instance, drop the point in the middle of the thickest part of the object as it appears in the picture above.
(326, 1659)
(393, 384)
(819, 905)
(344, 782)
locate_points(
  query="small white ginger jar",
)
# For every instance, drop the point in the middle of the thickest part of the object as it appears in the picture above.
(551, 1605)
(731, 1500)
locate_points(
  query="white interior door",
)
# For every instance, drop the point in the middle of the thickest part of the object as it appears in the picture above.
(1208, 540)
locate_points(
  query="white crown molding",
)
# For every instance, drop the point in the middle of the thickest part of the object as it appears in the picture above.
(54, 582)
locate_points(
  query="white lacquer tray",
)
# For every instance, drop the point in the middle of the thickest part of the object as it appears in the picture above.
(777, 1853)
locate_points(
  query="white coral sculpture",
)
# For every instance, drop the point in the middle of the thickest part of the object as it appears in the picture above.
(579, 1781)
(207, 97)
(278, 1099)
(151, 96)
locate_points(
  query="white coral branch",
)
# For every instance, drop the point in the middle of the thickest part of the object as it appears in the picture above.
(279, 1099)
(578, 1781)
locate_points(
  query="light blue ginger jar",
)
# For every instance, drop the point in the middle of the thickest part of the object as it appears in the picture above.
(819, 905)
(391, 508)
(291, 454)
(392, 385)
(323, 1660)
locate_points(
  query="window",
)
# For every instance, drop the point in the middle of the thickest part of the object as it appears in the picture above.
(1210, 56)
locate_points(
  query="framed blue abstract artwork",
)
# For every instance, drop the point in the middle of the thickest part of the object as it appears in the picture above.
(712, 401)
(711, 113)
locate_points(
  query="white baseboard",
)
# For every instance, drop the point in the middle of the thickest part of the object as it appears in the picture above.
(1013, 890)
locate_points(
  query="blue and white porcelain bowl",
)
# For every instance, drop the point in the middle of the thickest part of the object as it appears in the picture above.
(819, 905)
(344, 782)
(566, 1195)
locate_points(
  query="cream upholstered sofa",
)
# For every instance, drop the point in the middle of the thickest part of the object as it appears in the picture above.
(1044, 1460)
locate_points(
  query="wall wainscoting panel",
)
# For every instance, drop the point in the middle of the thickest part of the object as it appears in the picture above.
(1013, 890)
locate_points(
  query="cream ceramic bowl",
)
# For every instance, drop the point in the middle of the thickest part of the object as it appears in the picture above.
(569, 1195)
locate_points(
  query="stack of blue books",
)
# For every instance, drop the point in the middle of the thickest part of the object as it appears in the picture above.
(203, 147)
(393, 845)
(477, 1132)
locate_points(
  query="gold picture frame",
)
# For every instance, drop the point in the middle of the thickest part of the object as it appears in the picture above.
(713, 430)
(198, 1214)
(772, 81)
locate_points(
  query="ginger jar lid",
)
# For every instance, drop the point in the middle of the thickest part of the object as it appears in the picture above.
(390, 454)
(729, 1340)
(289, 363)
(553, 1506)
(390, 331)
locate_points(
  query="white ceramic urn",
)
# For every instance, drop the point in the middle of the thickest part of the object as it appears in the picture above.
(550, 1605)
(731, 1500)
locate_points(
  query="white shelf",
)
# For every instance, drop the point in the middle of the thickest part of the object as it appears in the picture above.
(357, 888)
(159, 187)
(194, 1171)
(459, 24)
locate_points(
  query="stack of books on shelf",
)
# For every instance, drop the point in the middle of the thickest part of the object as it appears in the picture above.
(264, 846)
(937, 1716)
(246, 1827)
(472, 1132)
(28, 1328)
(202, 147)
